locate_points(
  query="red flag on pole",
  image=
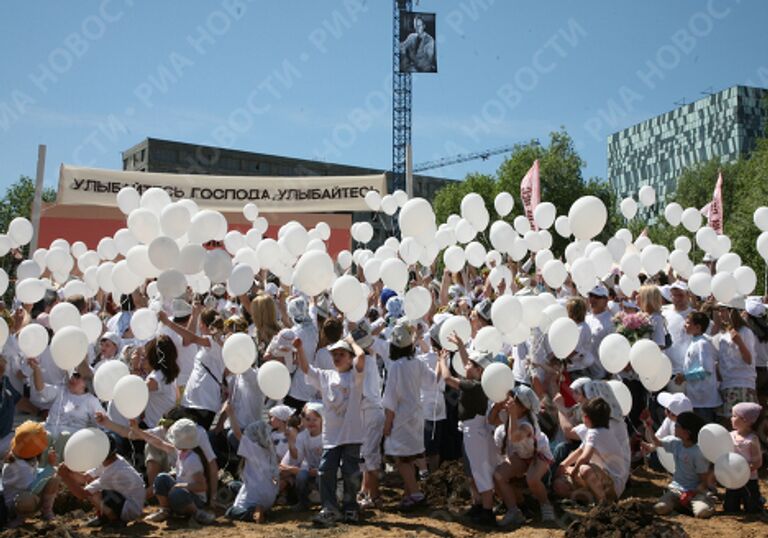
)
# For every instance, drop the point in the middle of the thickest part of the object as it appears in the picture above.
(530, 192)
(715, 216)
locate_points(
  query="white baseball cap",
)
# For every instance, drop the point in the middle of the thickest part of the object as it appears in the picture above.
(676, 403)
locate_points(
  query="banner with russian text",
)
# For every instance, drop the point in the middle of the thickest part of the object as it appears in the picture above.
(94, 186)
(715, 216)
(530, 192)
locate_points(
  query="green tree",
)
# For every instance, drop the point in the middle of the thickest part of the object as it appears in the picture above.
(562, 183)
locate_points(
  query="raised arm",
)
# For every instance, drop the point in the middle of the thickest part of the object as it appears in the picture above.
(188, 337)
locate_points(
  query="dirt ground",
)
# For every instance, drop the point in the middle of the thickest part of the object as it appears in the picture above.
(634, 518)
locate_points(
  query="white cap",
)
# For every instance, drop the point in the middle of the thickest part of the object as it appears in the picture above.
(676, 403)
(599, 291)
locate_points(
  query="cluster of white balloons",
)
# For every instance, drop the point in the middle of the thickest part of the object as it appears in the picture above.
(731, 469)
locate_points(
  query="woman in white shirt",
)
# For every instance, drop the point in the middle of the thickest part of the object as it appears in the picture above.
(202, 394)
(649, 300)
(161, 356)
(735, 343)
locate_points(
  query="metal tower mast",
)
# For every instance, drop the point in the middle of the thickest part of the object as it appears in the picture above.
(401, 101)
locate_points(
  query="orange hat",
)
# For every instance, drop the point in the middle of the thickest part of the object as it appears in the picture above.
(30, 440)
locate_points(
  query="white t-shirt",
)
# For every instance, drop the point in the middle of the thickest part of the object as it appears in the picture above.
(309, 451)
(187, 466)
(72, 412)
(608, 454)
(161, 400)
(259, 476)
(342, 397)
(666, 429)
(123, 479)
(601, 326)
(701, 354)
(734, 372)
(185, 355)
(300, 388)
(17, 478)
(202, 390)
(324, 359)
(680, 339)
(371, 384)
(432, 393)
(584, 357)
(246, 397)
(520, 370)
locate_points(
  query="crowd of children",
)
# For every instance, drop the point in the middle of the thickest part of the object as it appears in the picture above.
(384, 391)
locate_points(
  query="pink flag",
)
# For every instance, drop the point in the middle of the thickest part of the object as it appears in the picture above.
(530, 193)
(715, 216)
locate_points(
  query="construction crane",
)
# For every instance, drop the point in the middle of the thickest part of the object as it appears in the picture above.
(464, 157)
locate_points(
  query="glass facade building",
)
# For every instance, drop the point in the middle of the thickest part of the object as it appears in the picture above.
(654, 152)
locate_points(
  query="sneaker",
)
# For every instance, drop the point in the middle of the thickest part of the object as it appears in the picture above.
(94, 522)
(547, 513)
(368, 503)
(513, 518)
(48, 516)
(327, 518)
(351, 516)
(412, 501)
(474, 511)
(423, 474)
(204, 517)
(157, 517)
(485, 518)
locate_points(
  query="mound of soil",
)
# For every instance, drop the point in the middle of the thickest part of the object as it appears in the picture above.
(448, 487)
(629, 519)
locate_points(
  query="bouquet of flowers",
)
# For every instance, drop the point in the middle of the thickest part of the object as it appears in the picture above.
(633, 326)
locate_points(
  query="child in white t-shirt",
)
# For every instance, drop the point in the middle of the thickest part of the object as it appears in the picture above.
(303, 457)
(342, 391)
(599, 463)
(260, 473)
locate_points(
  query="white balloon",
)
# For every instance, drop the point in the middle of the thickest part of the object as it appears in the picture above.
(654, 258)
(583, 273)
(724, 287)
(631, 264)
(760, 218)
(660, 378)
(746, 280)
(207, 225)
(506, 313)
(673, 213)
(86, 449)
(394, 274)
(372, 270)
(465, 231)
(344, 259)
(64, 315)
(614, 352)
(296, 239)
(417, 302)
(502, 235)
(454, 259)
(645, 357)
(691, 219)
(503, 203)
(69, 347)
(364, 232)
(4, 332)
(57, 259)
(416, 217)
(239, 352)
(250, 211)
(544, 215)
(700, 284)
(30, 290)
(629, 284)
(521, 224)
(20, 230)
(124, 240)
(163, 252)
(28, 269)
(554, 273)
(563, 335)
(261, 224)
(155, 199)
(130, 396)
(628, 208)
(128, 199)
(217, 265)
(388, 205)
(489, 340)
(732, 470)
(647, 196)
(191, 258)
(563, 226)
(240, 280)
(33, 339)
(666, 459)
(347, 293)
(622, 394)
(728, 263)
(587, 217)
(497, 381)
(373, 200)
(274, 380)
(107, 376)
(410, 250)
(144, 225)
(314, 273)
(454, 324)
(532, 310)
(144, 323)
(92, 326)
(475, 253)
(518, 335)
(683, 244)
(3, 281)
(714, 441)
(174, 220)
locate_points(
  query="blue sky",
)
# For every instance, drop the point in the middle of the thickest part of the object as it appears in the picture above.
(311, 79)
